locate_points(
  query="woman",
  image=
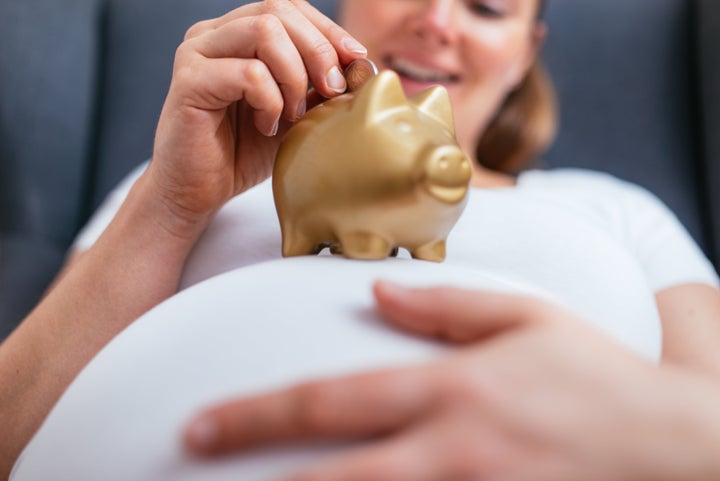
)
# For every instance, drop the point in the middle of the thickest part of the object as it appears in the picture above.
(240, 81)
(484, 53)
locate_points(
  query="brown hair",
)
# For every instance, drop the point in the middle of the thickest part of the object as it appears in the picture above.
(526, 123)
(524, 127)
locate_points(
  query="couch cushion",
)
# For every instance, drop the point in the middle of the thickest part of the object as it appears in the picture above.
(48, 57)
(709, 55)
(625, 73)
(27, 265)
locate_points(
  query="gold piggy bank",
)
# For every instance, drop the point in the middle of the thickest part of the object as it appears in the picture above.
(369, 172)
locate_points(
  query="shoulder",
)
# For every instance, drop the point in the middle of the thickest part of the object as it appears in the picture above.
(589, 184)
(635, 217)
(621, 205)
(573, 178)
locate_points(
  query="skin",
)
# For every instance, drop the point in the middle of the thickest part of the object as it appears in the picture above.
(239, 81)
(690, 316)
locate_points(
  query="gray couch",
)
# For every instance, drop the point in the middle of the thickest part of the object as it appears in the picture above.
(82, 83)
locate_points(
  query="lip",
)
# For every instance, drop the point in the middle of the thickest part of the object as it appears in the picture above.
(418, 74)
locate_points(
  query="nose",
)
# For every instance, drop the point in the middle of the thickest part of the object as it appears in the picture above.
(448, 173)
(434, 22)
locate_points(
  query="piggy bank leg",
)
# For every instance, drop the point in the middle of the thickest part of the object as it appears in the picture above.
(434, 251)
(364, 245)
(336, 249)
(297, 243)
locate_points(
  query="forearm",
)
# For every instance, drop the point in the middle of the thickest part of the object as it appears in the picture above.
(135, 265)
(690, 315)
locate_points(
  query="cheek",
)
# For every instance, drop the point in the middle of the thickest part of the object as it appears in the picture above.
(495, 54)
(366, 20)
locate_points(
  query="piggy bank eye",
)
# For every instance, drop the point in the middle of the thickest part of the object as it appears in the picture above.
(404, 126)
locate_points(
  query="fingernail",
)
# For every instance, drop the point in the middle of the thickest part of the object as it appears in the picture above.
(302, 107)
(354, 46)
(202, 433)
(275, 127)
(336, 80)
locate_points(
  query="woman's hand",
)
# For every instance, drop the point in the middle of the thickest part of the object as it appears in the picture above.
(533, 395)
(238, 81)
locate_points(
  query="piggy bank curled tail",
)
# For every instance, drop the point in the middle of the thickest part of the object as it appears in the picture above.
(369, 172)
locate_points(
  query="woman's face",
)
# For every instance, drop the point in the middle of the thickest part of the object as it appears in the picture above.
(478, 49)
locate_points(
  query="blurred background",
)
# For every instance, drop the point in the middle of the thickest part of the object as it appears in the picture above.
(82, 83)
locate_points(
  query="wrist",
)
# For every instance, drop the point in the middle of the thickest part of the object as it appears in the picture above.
(164, 213)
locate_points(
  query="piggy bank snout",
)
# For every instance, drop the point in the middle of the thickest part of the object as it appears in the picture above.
(447, 173)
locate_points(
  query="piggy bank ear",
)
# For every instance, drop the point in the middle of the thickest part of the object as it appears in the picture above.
(379, 95)
(435, 103)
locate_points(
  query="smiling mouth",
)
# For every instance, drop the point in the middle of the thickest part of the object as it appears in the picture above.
(416, 72)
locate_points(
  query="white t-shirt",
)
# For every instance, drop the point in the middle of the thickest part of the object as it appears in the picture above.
(600, 246)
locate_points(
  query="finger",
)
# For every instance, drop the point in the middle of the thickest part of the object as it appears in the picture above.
(390, 460)
(205, 26)
(263, 37)
(443, 446)
(244, 11)
(319, 54)
(457, 315)
(323, 45)
(346, 46)
(355, 406)
(209, 85)
(199, 28)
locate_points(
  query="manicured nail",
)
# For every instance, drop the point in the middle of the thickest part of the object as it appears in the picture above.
(202, 434)
(354, 46)
(302, 108)
(336, 80)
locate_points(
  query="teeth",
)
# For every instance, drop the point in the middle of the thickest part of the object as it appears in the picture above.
(417, 72)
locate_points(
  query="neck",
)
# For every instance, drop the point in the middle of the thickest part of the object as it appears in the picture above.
(489, 179)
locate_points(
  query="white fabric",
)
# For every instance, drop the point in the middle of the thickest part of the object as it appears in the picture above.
(246, 331)
(597, 245)
(600, 245)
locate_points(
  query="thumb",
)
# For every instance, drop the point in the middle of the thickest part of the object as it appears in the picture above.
(458, 315)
